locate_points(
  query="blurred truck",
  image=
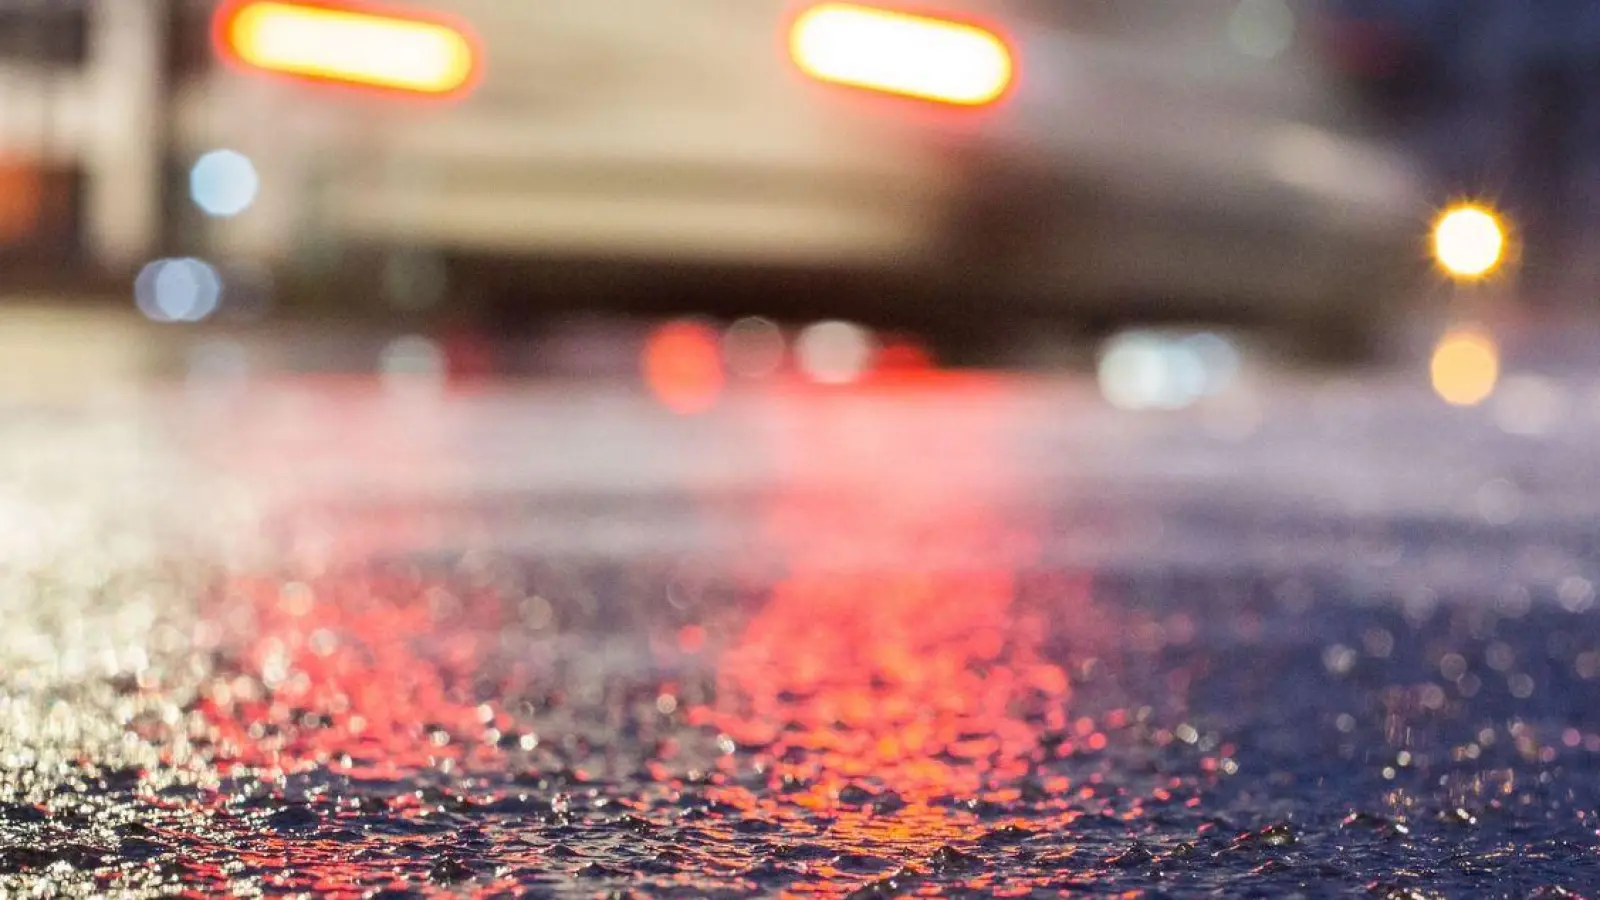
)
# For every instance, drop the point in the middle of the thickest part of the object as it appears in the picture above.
(966, 168)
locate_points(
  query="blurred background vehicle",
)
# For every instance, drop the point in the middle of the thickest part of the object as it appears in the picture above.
(983, 169)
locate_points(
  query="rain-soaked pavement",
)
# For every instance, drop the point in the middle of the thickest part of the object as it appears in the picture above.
(944, 635)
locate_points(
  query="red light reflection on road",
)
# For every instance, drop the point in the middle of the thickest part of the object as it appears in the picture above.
(892, 679)
(349, 673)
(892, 658)
(356, 672)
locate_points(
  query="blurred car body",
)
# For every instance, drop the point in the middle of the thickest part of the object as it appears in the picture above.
(1134, 159)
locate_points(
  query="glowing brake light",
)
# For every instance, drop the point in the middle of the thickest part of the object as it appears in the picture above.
(900, 53)
(351, 44)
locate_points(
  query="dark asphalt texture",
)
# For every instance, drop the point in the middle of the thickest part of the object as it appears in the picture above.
(951, 635)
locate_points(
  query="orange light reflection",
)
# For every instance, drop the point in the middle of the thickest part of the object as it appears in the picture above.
(892, 661)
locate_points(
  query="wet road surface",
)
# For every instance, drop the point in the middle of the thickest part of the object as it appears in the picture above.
(946, 635)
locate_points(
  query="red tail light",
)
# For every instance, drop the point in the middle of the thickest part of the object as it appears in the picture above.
(356, 44)
(925, 57)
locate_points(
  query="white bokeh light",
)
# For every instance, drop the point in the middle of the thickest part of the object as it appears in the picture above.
(1133, 372)
(1141, 370)
(835, 352)
(1218, 357)
(177, 290)
(224, 183)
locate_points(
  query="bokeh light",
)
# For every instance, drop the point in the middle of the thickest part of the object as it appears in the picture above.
(224, 183)
(1465, 367)
(835, 352)
(754, 347)
(177, 290)
(682, 366)
(1531, 405)
(1142, 370)
(1469, 241)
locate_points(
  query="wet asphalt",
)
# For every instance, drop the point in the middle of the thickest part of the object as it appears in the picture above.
(958, 635)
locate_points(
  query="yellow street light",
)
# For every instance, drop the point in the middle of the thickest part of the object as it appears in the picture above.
(1469, 241)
